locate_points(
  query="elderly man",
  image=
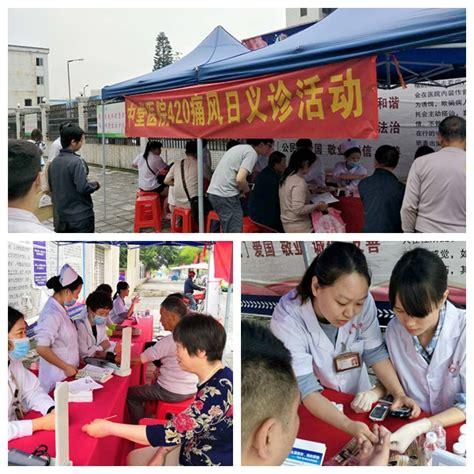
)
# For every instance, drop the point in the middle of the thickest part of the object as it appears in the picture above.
(435, 196)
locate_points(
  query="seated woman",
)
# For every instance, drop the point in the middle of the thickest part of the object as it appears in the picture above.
(295, 204)
(92, 329)
(24, 391)
(350, 171)
(151, 168)
(202, 434)
(120, 311)
(329, 324)
(427, 343)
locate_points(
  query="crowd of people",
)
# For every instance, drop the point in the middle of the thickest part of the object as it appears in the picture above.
(331, 314)
(278, 193)
(189, 360)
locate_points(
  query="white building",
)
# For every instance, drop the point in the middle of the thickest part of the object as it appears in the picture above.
(28, 77)
(299, 16)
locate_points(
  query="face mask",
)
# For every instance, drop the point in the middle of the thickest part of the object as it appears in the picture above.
(71, 303)
(350, 165)
(99, 319)
(20, 348)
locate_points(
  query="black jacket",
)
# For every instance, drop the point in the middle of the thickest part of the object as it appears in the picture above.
(71, 191)
(382, 197)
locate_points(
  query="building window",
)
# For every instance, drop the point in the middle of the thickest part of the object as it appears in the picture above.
(39, 100)
(303, 12)
(327, 11)
(28, 103)
(39, 61)
(39, 80)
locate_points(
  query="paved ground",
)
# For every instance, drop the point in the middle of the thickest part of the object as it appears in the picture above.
(120, 197)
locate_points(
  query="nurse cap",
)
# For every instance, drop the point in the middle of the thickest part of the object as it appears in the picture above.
(347, 145)
(67, 275)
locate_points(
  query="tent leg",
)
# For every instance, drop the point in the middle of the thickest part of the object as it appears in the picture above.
(200, 184)
(228, 305)
(103, 161)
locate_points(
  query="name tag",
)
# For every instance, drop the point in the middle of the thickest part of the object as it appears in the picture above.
(347, 361)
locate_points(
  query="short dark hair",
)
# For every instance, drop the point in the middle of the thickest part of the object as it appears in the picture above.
(336, 260)
(191, 148)
(387, 155)
(197, 332)
(453, 128)
(36, 135)
(13, 316)
(268, 381)
(420, 279)
(304, 143)
(178, 295)
(230, 144)
(423, 150)
(275, 158)
(54, 284)
(99, 300)
(105, 288)
(175, 305)
(24, 164)
(70, 133)
(257, 141)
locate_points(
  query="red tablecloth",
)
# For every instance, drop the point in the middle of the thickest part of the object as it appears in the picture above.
(83, 449)
(145, 325)
(313, 429)
(352, 212)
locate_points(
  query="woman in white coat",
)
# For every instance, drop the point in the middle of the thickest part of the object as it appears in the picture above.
(24, 391)
(56, 334)
(329, 324)
(92, 329)
(121, 311)
(427, 343)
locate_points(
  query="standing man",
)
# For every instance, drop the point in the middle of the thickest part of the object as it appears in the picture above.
(24, 183)
(189, 287)
(264, 202)
(382, 193)
(435, 196)
(70, 189)
(173, 384)
(229, 181)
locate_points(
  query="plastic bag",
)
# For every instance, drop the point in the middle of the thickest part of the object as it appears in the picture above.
(329, 222)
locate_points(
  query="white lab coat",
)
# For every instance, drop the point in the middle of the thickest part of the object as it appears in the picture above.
(56, 330)
(432, 386)
(119, 311)
(88, 343)
(298, 328)
(31, 396)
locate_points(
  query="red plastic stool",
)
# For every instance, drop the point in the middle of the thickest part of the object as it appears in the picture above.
(166, 410)
(212, 216)
(248, 228)
(147, 213)
(186, 220)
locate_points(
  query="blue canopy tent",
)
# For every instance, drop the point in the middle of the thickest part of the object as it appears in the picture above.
(218, 45)
(428, 43)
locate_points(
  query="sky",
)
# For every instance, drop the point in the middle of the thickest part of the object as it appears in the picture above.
(118, 44)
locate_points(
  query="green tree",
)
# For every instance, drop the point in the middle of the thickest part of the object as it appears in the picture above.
(186, 255)
(154, 256)
(163, 52)
(123, 257)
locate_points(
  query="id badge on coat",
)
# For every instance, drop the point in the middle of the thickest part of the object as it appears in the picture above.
(347, 361)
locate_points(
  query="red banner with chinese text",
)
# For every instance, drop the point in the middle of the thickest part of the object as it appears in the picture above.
(332, 101)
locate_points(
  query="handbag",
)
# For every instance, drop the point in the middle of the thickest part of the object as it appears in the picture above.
(39, 457)
(160, 177)
(329, 221)
(194, 201)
